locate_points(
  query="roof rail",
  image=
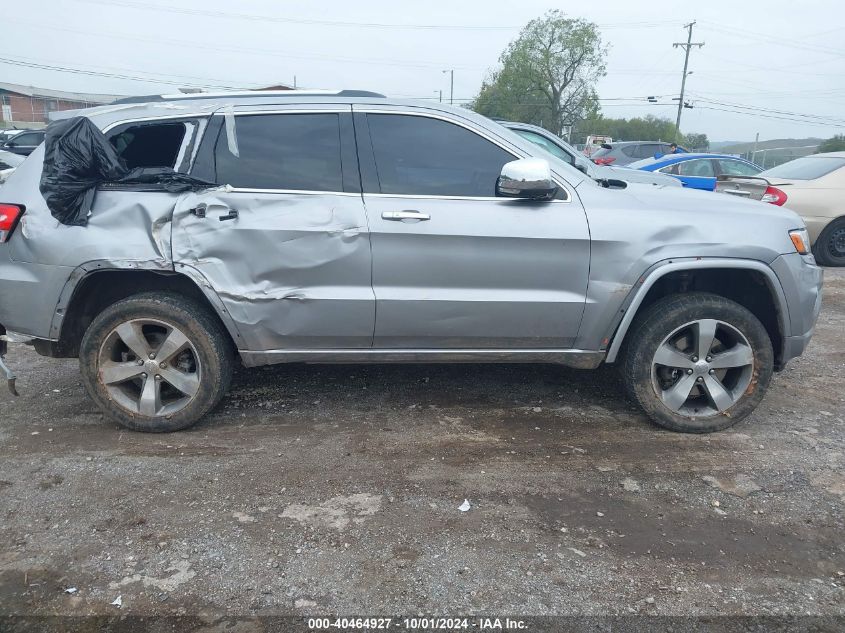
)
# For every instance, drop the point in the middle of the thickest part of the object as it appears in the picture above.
(236, 94)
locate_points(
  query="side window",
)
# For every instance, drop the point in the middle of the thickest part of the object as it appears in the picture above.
(282, 151)
(700, 168)
(417, 155)
(631, 151)
(737, 168)
(670, 169)
(26, 139)
(150, 144)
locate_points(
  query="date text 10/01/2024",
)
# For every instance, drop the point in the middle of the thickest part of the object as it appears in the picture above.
(418, 624)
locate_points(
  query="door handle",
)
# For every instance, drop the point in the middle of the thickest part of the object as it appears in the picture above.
(405, 215)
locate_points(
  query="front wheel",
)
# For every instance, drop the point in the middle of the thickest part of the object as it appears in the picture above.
(155, 362)
(697, 362)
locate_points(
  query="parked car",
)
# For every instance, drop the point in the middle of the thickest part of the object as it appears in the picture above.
(356, 228)
(24, 143)
(8, 163)
(564, 151)
(814, 186)
(698, 171)
(6, 135)
(626, 152)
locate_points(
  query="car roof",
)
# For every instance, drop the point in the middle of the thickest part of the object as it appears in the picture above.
(192, 104)
(668, 159)
(619, 143)
(244, 94)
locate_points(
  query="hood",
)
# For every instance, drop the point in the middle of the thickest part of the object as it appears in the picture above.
(670, 222)
(695, 201)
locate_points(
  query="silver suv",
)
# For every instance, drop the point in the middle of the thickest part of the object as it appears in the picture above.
(350, 227)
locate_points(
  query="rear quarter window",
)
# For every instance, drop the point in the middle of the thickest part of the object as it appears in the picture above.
(165, 143)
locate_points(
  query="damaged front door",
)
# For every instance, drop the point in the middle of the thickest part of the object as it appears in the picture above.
(284, 243)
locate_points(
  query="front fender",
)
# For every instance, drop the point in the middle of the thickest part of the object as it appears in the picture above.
(629, 307)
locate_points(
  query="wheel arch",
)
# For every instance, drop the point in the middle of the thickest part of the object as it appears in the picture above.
(750, 283)
(94, 286)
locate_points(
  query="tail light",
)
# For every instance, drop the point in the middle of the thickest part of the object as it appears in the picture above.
(10, 214)
(604, 160)
(774, 196)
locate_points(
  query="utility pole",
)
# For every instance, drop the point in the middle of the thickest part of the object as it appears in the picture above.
(440, 92)
(754, 153)
(686, 46)
(451, 85)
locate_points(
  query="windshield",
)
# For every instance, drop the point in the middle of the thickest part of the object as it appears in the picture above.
(807, 168)
(545, 143)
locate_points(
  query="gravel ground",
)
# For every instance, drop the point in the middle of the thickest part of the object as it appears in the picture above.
(336, 489)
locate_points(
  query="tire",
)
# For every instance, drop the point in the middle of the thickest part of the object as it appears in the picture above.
(175, 368)
(830, 245)
(661, 362)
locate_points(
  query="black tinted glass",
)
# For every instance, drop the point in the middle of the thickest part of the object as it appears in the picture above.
(421, 156)
(282, 151)
(28, 139)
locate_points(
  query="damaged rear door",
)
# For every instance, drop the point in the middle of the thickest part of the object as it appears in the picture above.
(284, 242)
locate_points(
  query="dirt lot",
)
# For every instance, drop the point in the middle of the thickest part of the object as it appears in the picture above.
(336, 489)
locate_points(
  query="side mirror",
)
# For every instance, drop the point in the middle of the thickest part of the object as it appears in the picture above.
(659, 155)
(526, 178)
(9, 144)
(582, 167)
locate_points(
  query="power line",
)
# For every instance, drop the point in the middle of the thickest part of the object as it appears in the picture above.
(769, 39)
(771, 116)
(217, 47)
(153, 78)
(80, 71)
(339, 23)
(819, 117)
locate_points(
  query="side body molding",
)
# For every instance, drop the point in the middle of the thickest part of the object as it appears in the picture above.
(628, 309)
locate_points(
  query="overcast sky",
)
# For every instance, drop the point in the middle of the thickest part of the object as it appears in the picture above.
(768, 66)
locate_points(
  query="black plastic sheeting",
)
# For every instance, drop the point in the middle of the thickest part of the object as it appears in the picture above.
(78, 158)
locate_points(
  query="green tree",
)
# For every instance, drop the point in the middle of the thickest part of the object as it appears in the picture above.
(547, 74)
(696, 141)
(647, 128)
(835, 144)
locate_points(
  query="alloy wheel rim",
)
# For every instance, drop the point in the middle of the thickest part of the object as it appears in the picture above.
(702, 368)
(149, 367)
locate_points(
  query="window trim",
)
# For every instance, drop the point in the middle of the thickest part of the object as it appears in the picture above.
(433, 115)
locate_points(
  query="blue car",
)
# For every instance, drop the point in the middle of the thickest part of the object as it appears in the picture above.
(697, 171)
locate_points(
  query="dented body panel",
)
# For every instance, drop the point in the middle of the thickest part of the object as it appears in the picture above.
(293, 270)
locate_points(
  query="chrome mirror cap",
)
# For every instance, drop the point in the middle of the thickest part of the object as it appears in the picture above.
(526, 178)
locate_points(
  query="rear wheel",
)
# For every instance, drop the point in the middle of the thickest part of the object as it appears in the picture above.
(156, 362)
(830, 245)
(698, 362)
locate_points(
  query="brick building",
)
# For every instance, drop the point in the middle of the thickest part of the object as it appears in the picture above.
(26, 106)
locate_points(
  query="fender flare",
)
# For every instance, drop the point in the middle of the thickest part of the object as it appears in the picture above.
(83, 271)
(659, 270)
